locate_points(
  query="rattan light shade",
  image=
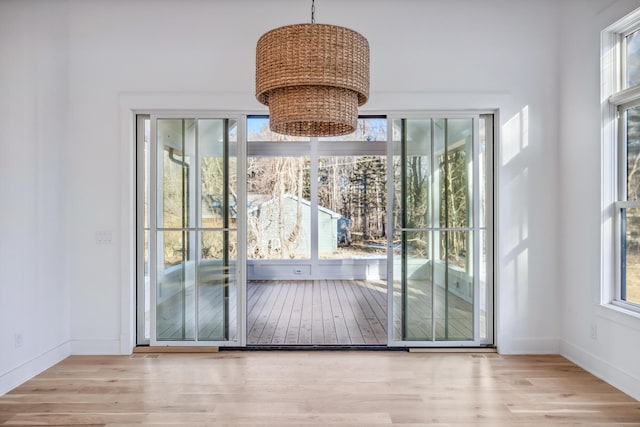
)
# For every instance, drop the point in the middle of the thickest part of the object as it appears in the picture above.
(313, 78)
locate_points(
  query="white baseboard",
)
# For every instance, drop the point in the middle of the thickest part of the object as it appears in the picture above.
(29, 369)
(95, 347)
(602, 369)
(508, 345)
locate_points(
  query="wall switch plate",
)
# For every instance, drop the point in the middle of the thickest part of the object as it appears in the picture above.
(104, 237)
(18, 340)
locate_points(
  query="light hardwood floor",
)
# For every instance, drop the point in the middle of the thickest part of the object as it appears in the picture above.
(322, 388)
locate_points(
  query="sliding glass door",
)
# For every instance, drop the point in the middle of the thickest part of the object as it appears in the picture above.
(191, 231)
(315, 210)
(441, 208)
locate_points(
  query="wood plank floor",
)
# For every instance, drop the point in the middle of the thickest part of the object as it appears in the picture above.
(319, 388)
(316, 312)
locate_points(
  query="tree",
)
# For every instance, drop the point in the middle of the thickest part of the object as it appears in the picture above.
(270, 181)
(454, 204)
(368, 185)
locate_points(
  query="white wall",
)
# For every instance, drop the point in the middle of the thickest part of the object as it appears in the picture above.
(34, 294)
(425, 55)
(432, 54)
(613, 352)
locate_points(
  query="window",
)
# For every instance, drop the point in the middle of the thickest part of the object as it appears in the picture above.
(621, 163)
(629, 204)
(316, 200)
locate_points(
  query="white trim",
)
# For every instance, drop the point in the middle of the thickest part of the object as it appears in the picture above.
(626, 205)
(612, 97)
(513, 345)
(195, 343)
(622, 380)
(618, 313)
(390, 229)
(475, 208)
(627, 96)
(140, 162)
(97, 346)
(490, 230)
(323, 148)
(496, 260)
(439, 102)
(20, 374)
(313, 205)
(127, 228)
(436, 343)
(153, 219)
(435, 211)
(195, 169)
(241, 233)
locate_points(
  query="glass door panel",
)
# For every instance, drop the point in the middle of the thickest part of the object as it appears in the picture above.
(416, 176)
(418, 285)
(217, 287)
(175, 244)
(440, 256)
(217, 215)
(453, 178)
(175, 286)
(193, 234)
(176, 181)
(453, 301)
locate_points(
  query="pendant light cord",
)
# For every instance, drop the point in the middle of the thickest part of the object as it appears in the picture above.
(313, 11)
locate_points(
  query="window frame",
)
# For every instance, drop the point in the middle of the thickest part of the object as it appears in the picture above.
(616, 99)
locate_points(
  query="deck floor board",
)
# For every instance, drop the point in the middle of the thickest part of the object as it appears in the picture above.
(321, 312)
(328, 318)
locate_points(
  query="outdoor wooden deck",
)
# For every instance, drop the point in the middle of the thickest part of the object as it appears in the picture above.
(317, 312)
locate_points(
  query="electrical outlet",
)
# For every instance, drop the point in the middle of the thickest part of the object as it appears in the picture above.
(594, 331)
(18, 340)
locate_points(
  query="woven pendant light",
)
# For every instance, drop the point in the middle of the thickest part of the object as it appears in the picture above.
(313, 77)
